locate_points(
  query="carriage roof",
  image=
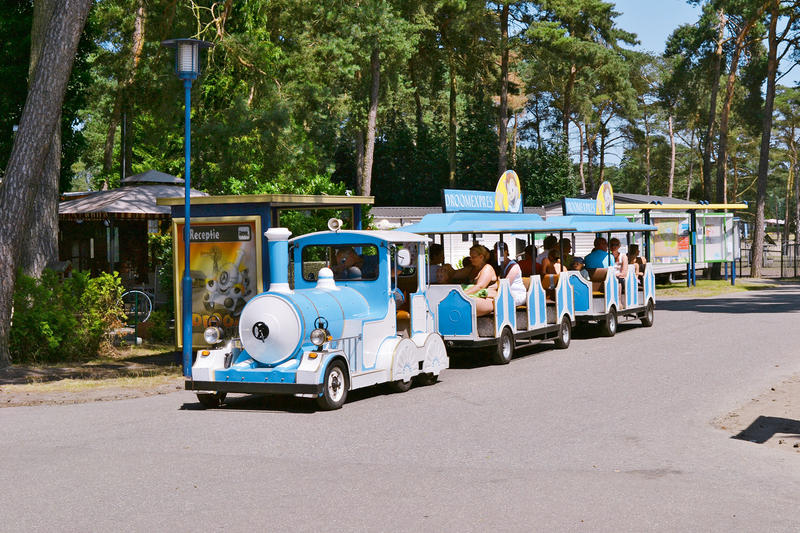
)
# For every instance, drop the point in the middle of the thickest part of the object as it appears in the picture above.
(485, 222)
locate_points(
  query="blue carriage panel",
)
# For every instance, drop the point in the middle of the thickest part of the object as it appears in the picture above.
(504, 312)
(631, 289)
(649, 284)
(536, 304)
(582, 294)
(612, 290)
(454, 315)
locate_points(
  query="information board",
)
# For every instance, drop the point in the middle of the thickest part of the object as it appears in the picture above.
(225, 268)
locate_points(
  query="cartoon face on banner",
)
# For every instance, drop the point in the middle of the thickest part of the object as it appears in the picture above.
(605, 199)
(508, 194)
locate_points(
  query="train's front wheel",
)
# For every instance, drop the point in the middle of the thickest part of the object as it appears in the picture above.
(334, 391)
(610, 324)
(210, 400)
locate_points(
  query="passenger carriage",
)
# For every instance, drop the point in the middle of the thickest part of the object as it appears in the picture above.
(607, 299)
(548, 312)
(341, 325)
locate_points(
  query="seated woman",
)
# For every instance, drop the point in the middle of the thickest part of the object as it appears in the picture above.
(346, 264)
(481, 276)
(635, 260)
(510, 270)
(528, 258)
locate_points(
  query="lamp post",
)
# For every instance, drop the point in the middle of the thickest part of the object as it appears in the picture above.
(187, 67)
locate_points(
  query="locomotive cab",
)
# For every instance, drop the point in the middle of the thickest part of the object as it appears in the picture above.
(355, 315)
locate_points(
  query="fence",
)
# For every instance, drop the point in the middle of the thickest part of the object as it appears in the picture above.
(778, 260)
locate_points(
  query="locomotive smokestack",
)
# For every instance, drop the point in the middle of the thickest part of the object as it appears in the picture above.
(278, 250)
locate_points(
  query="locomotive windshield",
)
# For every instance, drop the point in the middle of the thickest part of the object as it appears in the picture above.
(350, 262)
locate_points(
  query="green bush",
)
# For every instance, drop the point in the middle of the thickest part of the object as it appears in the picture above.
(67, 320)
(160, 246)
(157, 328)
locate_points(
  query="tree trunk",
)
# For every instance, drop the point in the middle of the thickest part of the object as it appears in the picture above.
(671, 158)
(712, 108)
(647, 156)
(502, 137)
(372, 120)
(722, 150)
(360, 134)
(43, 249)
(589, 177)
(451, 149)
(568, 103)
(691, 167)
(580, 151)
(121, 107)
(766, 131)
(40, 117)
(514, 134)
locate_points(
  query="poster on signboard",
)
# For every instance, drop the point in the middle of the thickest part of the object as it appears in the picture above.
(671, 241)
(225, 268)
(713, 237)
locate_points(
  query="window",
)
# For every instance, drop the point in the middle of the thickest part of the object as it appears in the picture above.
(349, 262)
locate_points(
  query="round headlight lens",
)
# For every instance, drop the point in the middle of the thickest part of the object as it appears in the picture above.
(212, 335)
(319, 336)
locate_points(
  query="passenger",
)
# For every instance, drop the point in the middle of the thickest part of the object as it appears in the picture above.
(549, 243)
(347, 264)
(510, 270)
(578, 266)
(552, 264)
(482, 276)
(636, 260)
(565, 247)
(436, 252)
(528, 258)
(598, 260)
(620, 259)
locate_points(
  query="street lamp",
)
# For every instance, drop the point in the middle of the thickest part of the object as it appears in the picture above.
(187, 67)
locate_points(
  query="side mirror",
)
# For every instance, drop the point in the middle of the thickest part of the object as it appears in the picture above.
(403, 258)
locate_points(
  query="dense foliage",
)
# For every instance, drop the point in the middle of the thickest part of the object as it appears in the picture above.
(63, 320)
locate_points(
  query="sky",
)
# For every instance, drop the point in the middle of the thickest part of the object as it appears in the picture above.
(654, 20)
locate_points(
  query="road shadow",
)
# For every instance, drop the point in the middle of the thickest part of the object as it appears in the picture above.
(764, 428)
(293, 404)
(775, 301)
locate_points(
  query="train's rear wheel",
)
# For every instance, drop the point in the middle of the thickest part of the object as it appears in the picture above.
(564, 333)
(649, 315)
(210, 400)
(427, 379)
(611, 323)
(400, 385)
(504, 350)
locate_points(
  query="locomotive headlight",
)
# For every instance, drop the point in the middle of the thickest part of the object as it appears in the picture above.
(212, 335)
(318, 337)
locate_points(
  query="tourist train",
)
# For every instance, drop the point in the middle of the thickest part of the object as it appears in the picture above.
(348, 309)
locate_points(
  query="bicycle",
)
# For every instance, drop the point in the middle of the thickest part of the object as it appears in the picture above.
(137, 306)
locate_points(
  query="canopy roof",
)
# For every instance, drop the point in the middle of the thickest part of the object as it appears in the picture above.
(386, 235)
(600, 223)
(153, 176)
(132, 202)
(489, 222)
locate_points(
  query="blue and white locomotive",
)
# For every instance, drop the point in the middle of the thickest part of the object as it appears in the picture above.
(357, 315)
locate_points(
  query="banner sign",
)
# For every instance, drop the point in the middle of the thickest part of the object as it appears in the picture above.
(507, 197)
(225, 267)
(603, 204)
(455, 200)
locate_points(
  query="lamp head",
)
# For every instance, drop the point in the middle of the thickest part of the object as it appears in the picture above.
(187, 56)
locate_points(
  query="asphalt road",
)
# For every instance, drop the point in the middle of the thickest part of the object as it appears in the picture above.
(610, 435)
